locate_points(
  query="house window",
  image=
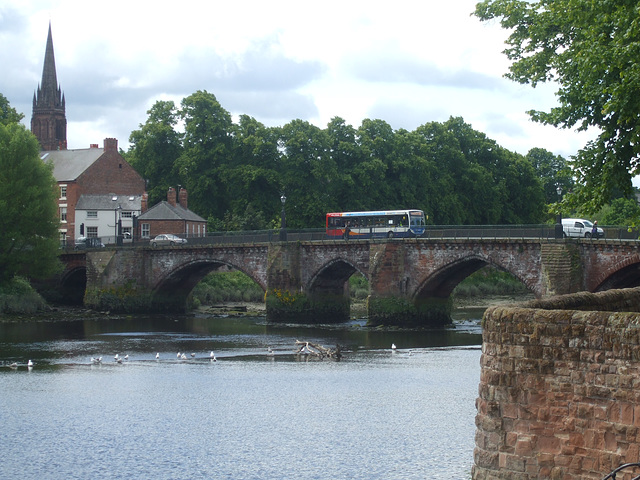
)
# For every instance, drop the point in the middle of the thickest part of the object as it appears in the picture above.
(63, 192)
(145, 230)
(126, 214)
(126, 231)
(92, 214)
(63, 239)
(63, 214)
(92, 232)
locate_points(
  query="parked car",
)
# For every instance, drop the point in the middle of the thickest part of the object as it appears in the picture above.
(168, 239)
(83, 243)
(579, 227)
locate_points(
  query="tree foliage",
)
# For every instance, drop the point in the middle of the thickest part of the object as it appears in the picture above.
(591, 50)
(621, 211)
(8, 114)
(29, 222)
(236, 172)
(157, 146)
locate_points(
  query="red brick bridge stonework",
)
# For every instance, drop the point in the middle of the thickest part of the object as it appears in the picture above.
(559, 394)
(410, 281)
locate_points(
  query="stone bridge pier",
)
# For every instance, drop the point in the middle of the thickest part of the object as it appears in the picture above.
(410, 282)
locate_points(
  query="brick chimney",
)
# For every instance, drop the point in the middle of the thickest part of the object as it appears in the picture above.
(182, 196)
(144, 202)
(110, 144)
(171, 196)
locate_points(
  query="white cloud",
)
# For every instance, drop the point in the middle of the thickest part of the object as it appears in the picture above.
(405, 62)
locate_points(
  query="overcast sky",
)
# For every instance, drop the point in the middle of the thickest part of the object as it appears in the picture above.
(405, 62)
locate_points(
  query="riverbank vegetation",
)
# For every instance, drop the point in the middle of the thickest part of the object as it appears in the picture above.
(17, 296)
(234, 286)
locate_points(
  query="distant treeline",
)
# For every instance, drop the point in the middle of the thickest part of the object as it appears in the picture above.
(236, 172)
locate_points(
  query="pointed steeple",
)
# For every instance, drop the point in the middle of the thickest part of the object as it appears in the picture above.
(49, 121)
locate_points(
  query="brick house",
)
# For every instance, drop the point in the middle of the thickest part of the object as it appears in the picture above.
(172, 216)
(91, 171)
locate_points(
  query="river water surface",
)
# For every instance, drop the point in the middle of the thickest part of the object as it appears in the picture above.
(375, 414)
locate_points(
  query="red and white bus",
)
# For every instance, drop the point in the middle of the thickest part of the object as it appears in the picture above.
(376, 224)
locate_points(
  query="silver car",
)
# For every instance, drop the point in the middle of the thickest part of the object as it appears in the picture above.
(168, 239)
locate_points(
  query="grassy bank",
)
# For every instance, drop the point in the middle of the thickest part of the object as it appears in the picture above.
(489, 282)
(17, 296)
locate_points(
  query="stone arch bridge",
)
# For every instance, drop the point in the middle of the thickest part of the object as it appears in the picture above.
(410, 280)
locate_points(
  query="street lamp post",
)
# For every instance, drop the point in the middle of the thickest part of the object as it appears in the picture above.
(559, 230)
(116, 224)
(283, 220)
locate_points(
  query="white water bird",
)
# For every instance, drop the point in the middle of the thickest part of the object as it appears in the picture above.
(193, 355)
(178, 355)
(116, 357)
(158, 356)
(126, 357)
(393, 346)
(29, 364)
(183, 356)
(212, 356)
(269, 351)
(14, 365)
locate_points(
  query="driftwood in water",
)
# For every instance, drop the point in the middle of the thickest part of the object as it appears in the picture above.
(309, 348)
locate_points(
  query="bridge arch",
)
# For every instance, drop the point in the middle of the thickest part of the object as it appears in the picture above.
(332, 276)
(441, 282)
(328, 292)
(72, 285)
(173, 287)
(622, 274)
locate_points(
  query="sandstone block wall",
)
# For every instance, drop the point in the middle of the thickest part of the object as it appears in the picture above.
(559, 393)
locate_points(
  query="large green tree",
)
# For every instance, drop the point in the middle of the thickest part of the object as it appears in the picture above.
(207, 149)
(29, 222)
(553, 171)
(155, 147)
(591, 50)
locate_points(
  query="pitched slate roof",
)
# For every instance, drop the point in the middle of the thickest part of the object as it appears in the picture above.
(165, 211)
(129, 203)
(70, 164)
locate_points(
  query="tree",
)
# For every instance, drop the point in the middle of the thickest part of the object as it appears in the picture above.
(29, 221)
(253, 177)
(622, 211)
(553, 171)
(155, 149)
(307, 171)
(207, 147)
(590, 49)
(7, 113)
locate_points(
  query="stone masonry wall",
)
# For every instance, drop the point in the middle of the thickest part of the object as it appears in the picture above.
(559, 394)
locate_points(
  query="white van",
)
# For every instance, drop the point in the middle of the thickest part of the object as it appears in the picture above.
(578, 227)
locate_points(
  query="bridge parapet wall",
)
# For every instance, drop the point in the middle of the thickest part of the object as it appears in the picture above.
(558, 394)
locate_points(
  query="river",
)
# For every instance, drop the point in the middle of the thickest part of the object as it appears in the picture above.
(378, 413)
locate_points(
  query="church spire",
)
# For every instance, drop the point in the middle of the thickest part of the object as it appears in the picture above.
(49, 121)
